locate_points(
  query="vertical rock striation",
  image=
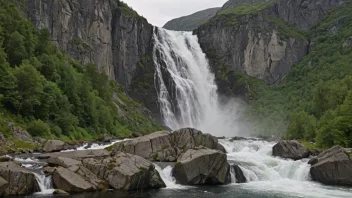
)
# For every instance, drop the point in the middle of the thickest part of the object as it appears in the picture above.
(107, 33)
(261, 38)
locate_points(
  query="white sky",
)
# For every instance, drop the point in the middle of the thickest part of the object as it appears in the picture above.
(158, 12)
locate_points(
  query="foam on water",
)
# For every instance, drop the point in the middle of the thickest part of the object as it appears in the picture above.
(96, 146)
(44, 183)
(166, 176)
(272, 174)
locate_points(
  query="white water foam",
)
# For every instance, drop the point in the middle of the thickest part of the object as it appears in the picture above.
(44, 183)
(186, 88)
(272, 174)
(166, 176)
(95, 146)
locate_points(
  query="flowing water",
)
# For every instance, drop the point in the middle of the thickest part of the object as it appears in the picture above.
(186, 87)
(188, 98)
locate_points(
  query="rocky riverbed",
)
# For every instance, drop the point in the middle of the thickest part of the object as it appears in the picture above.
(176, 160)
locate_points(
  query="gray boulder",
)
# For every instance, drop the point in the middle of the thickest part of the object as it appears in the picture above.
(189, 138)
(125, 172)
(167, 147)
(98, 184)
(20, 181)
(154, 146)
(53, 146)
(333, 167)
(202, 166)
(290, 149)
(71, 182)
(3, 186)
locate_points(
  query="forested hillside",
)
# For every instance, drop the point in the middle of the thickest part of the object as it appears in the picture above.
(315, 98)
(50, 95)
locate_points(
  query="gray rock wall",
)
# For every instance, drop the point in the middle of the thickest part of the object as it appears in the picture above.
(253, 43)
(101, 31)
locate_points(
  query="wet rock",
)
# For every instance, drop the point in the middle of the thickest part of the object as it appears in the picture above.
(333, 167)
(3, 185)
(20, 181)
(124, 171)
(49, 170)
(237, 171)
(60, 192)
(221, 148)
(78, 155)
(202, 166)
(53, 146)
(290, 149)
(4, 159)
(63, 161)
(237, 138)
(163, 165)
(70, 182)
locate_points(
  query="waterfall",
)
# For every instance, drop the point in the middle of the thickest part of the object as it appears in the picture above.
(166, 176)
(187, 93)
(45, 184)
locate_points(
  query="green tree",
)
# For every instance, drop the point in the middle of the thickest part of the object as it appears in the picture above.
(28, 91)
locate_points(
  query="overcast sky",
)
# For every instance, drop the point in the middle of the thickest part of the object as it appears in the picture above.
(158, 12)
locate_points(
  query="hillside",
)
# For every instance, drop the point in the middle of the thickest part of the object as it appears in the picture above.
(191, 22)
(44, 91)
(311, 98)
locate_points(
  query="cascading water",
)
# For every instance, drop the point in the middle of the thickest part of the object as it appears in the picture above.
(45, 184)
(265, 173)
(187, 96)
(166, 176)
(186, 87)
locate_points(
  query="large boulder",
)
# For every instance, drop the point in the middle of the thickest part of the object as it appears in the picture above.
(98, 184)
(167, 147)
(124, 171)
(333, 167)
(71, 182)
(189, 138)
(202, 166)
(63, 161)
(20, 134)
(53, 146)
(20, 181)
(290, 149)
(146, 146)
(3, 185)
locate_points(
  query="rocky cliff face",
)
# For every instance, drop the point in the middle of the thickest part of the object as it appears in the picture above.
(261, 38)
(107, 33)
(191, 22)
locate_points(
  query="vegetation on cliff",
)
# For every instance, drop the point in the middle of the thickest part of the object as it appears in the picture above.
(314, 101)
(44, 91)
